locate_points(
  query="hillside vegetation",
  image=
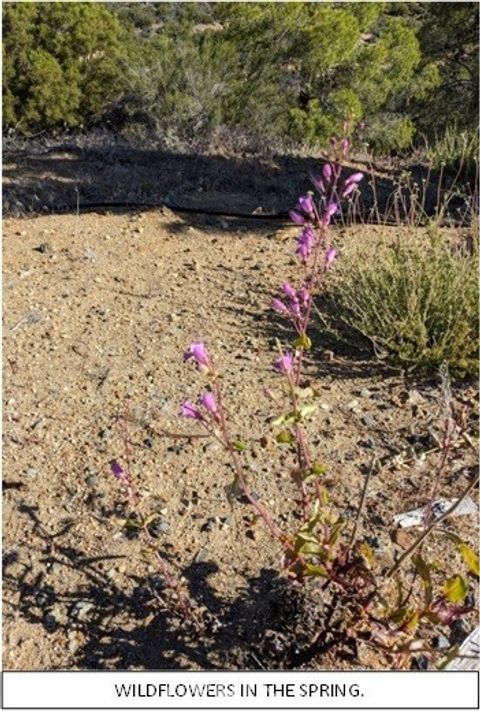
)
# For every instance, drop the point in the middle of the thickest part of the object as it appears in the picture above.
(271, 75)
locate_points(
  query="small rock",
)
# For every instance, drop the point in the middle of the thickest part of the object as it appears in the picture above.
(49, 622)
(415, 398)
(402, 538)
(352, 404)
(201, 556)
(368, 421)
(367, 443)
(441, 642)
(91, 479)
(44, 248)
(365, 392)
(80, 610)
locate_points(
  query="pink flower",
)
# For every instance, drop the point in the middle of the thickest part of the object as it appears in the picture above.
(327, 172)
(198, 352)
(303, 296)
(330, 210)
(284, 364)
(351, 183)
(118, 472)
(344, 144)
(330, 256)
(288, 289)
(304, 243)
(318, 183)
(209, 403)
(297, 217)
(305, 205)
(304, 210)
(188, 409)
(279, 306)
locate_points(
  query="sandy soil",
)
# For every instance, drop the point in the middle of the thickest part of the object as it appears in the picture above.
(98, 310)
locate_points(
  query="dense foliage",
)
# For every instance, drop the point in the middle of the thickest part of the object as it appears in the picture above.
(277, 73)
(417, 306)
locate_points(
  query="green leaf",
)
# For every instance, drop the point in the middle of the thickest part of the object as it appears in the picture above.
(314, 472)
(285, 437)
(411, 623)
(424, 571)
(240, 446)
(312, 548)
(470, 558)
(303, 341)
(317, 570)
(306, 410)
(335, 531)
(284, 419)
(455, 589)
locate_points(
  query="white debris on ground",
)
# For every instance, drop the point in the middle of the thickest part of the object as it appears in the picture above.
(415, 517)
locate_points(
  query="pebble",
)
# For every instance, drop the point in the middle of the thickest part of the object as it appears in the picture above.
(368, 421)
(201, 556)
(352, 404)
(367, 443)
(49, 622)
(80, 610)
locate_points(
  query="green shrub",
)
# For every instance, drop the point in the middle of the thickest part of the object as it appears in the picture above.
(456, 151)
(415, 304)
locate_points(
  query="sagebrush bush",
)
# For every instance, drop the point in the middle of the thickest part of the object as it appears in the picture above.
(456, 151)
(415, 303)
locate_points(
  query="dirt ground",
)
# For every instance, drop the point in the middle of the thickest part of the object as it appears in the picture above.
(98, 310)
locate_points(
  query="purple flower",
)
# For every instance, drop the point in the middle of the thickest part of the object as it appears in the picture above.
(284, 364)
(330, 256)
(305, 205)
(209, 403)
(304, 210)
(327, 172)
(297, 217)
(351, 183)
(188, 409)
(330, 210)
(289, 290)
(305, 243)
(279, 306)
(318, 183)
(198, 352)
(118, 472)
(303, 296)
(344, 144)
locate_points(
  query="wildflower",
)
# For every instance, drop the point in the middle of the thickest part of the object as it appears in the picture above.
(330, 210)
(188, 409)
(305, 243)
(344, 144)
(284, 364)
(318, 183)
(305, 205)
(327, 172)
(288, 290)
(279, 306)
(118, 472)
(297, 217)
(304, 210)
(330, 256)
(209, 403)
(198, 352)
(303, 296)
(351, 183)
